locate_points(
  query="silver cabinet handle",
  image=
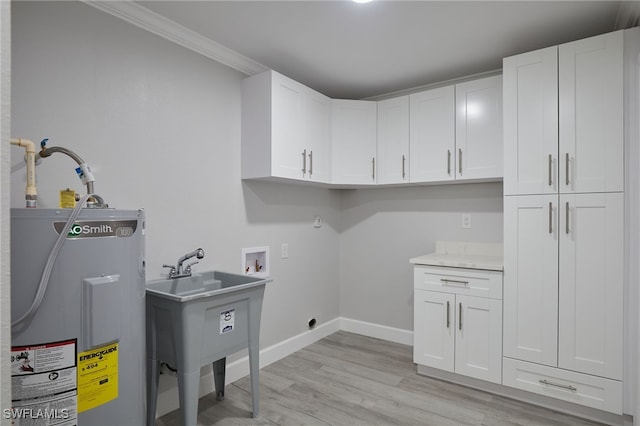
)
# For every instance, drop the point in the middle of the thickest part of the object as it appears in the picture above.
(550, 170)
(448, 315)
(557, 385)
(566, 218)
(566, 168)
(403, 161)
(310, 163)
(550, 217)
(460, 316)
(449, 162)
(460, 161)
(373, 168)
(447, 281)
(304, 162)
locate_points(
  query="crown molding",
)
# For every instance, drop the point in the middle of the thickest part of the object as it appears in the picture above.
(159, 25)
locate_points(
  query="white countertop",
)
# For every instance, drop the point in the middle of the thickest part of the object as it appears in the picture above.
(464, 255)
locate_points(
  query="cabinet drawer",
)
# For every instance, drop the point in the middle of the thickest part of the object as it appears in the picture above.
(470, 282)
(591, 391)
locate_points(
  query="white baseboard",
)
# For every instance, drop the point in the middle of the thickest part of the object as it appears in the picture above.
(240, 368)
(390, 334)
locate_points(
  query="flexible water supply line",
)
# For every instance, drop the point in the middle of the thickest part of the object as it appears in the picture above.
(84, 171)
(51, 260)
(31, 195)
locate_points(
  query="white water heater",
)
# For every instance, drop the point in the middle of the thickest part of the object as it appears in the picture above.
(80, 358)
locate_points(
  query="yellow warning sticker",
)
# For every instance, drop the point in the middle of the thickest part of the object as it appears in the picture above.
(97, 377)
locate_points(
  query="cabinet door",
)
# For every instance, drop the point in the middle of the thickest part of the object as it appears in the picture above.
(530, 84)
(393, 140)
(531, 278)
(288, 155)
(478, 344)
(478, 129)
(591, 281)
(316, 135)
(432, 135)
(353, 141)
(591, 114)
(433, 329)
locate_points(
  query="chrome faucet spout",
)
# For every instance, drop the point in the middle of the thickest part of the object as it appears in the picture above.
(178, 271)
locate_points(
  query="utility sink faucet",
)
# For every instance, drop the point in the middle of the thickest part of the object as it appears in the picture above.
(178, 271)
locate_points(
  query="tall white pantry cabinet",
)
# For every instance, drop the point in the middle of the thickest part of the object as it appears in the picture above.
(564, 221)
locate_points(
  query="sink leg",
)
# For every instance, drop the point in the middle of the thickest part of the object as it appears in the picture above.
(153, 373)
(188, 384)
(219, 370)
(254, 370)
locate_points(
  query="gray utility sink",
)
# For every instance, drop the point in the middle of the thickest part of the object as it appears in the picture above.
(199, 320)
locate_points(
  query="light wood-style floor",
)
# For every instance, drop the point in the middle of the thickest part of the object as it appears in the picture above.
(349, 379)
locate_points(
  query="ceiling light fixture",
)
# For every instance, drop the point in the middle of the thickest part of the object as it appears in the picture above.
(361, 1)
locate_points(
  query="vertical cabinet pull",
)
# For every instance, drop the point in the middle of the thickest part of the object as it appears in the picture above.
(566, 168)
(448, 315)
(460, 316)
(550, 170)
(566, 218)
(449, 162)
(310, 163)
(373, 168)
(550, 217)
(460, 161)
(403, 161)
(304, 162)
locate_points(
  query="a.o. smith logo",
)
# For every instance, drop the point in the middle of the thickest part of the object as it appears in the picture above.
(103, 228)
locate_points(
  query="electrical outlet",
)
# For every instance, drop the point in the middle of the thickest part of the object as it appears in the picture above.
(284, 251)
(466, 221)
(317, 222)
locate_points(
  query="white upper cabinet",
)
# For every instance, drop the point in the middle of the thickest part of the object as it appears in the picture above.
(479, 149)
(393, 141)
(574, 91)
(293, 133)
(286, 129)
(432, 135)
(354, 135)
(531, 122)
(591, 114)
(456, 132)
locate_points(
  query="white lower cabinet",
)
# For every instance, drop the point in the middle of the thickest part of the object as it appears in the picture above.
(563, 296)
(584, 389)
(453, 330)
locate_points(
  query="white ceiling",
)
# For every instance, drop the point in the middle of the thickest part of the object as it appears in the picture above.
(356, 51)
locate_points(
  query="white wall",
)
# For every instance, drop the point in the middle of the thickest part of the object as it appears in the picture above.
(383, 228)
(160, 127)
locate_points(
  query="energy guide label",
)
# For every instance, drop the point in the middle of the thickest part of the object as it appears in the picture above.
(97, 376)
(44, 384)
